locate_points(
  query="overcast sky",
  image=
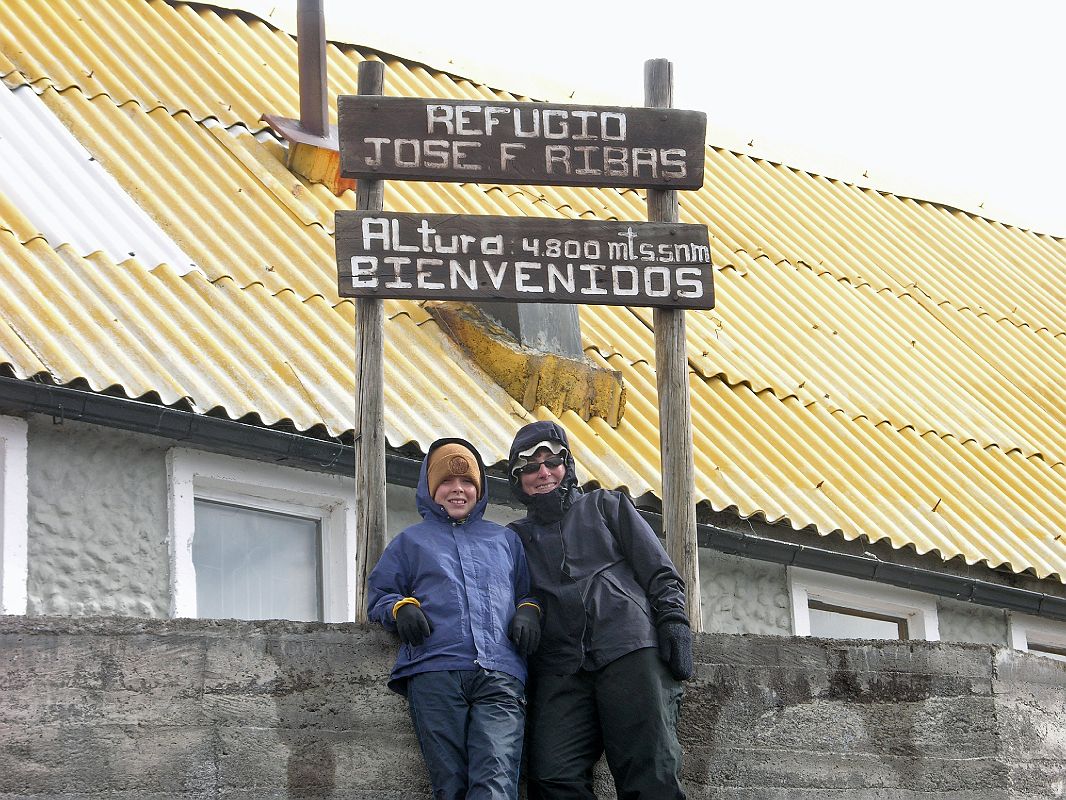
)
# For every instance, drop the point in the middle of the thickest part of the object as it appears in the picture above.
(958, 101)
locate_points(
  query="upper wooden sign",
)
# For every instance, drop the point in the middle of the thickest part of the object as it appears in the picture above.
(403, 138)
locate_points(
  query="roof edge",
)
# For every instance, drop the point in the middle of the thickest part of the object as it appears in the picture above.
(293, 449)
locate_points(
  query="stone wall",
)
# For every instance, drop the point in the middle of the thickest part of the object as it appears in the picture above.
(158, 710)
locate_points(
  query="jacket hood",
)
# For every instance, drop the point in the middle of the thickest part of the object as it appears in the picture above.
(428, 507)
(528, 436)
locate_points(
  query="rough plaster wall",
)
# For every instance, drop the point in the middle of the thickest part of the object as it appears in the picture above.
(967, 622)
(742, 595)
(97, 521)
(200, 710)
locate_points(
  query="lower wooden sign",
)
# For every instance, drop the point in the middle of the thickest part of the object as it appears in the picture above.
(518, 259)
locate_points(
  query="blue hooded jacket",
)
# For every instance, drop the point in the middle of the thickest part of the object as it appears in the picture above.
(469, 577)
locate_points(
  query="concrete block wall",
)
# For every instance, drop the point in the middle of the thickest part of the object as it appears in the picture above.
(134, 708)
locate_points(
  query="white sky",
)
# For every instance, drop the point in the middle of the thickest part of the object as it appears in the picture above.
(958, 101)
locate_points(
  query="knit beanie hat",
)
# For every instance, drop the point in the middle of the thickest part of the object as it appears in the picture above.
(452, 459)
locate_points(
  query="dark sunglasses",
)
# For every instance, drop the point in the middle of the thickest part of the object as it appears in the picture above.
(534, 466)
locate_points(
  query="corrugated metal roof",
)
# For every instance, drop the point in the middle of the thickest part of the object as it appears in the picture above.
(876, 365)
(65, 194)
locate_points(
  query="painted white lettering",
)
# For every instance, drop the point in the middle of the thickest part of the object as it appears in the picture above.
(645, 157)
(398, 281)
(396, 244)
(495, 276)
(593, 271)
(491, 117)
(492, 245)
(615, 161)
(462, 120)
(364, 277)
(459, 157)
(375, 160)
(647, 252)
(522, 277)
(533, 130)
(440, 247)
(440, 114)
(376, 229)
(586, 152)
(469, 277)
(424, 266)
(562, 131)
(425, 231)
(583, 128)
(666, 253)
(629, 235)
(632, 277)
(557, 278)
(673, 161)
(693, 286)
(619, 132)
(663, 275)
(506, 156)
(557, 154)
(435, 153)
(415, 146)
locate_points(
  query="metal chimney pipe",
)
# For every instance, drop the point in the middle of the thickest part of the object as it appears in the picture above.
(311, 49)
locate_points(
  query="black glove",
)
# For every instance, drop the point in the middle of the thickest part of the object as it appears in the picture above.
(525, 630)
(412, 624)
(675, 648)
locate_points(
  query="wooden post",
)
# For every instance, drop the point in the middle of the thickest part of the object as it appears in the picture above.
(370, 511)
(671, 376)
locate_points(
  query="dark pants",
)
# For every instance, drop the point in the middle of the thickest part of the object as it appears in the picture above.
(469, 725)
(628, 710)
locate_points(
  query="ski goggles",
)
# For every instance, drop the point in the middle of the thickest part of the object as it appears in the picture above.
(533, 467)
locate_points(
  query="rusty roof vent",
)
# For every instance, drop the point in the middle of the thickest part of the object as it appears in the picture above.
(314, 152)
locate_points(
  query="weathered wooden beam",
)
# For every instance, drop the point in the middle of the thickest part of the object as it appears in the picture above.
(311, 55)
(671, 376)
(370, 510)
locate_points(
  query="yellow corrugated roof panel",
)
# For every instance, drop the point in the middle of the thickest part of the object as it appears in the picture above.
(876, 365)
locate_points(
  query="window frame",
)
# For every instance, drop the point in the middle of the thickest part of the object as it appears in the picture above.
(14, 516)
(1024, 629)
(863, 596)
(329, 499)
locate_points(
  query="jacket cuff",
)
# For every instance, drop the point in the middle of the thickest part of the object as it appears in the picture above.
(673, 615)
(407, 601)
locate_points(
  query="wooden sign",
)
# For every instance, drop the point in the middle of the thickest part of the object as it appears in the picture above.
(460, 257)
(506, 142)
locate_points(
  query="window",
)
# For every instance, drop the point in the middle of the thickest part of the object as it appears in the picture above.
(259, 541)
(1038, 635)
(14, 505)
(835, 606)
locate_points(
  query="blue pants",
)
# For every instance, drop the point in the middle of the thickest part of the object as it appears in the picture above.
(627, 710)
(470, 725)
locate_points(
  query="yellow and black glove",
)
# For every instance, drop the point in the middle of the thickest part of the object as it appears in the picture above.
(412, 624)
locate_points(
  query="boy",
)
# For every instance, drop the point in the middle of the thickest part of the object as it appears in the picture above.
(455, 587)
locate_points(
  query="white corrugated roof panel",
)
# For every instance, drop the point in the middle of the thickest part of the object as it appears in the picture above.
(66, 195)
